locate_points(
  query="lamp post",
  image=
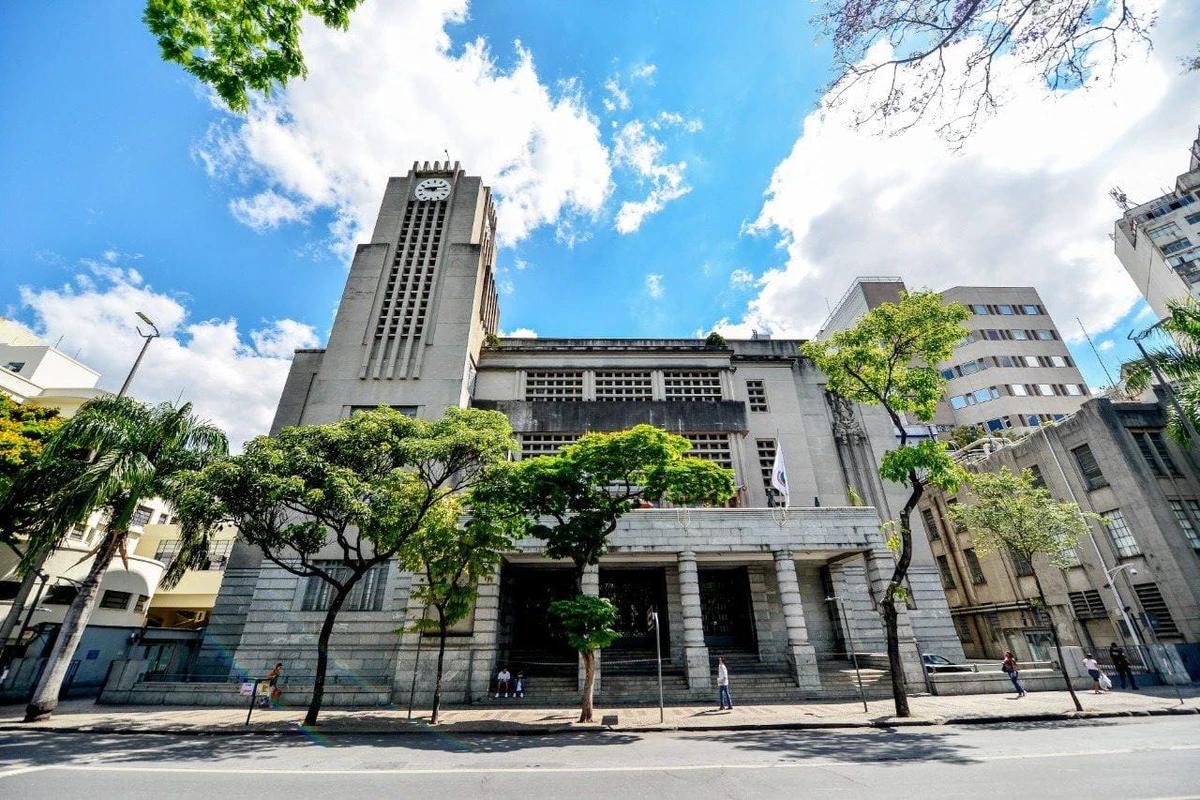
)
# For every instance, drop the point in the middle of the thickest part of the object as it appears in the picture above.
(148, 336)
(1108, 573)
(841, 607)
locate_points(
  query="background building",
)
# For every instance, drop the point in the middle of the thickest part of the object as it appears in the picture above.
(1158, 242)
(32, 371)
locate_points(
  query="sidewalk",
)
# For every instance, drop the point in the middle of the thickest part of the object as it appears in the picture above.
(522, 719)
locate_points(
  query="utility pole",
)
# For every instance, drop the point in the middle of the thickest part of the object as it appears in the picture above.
(148, 337)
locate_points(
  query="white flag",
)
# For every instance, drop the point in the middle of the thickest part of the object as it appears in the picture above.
(779, 480)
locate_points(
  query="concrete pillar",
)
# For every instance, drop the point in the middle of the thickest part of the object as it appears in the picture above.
(695, 651)
(591, 588)
(879, 566)
(800, 654)
(485, 638)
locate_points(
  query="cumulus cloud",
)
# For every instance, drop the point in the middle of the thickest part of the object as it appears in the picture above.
(233, 379)
(520, 333)
(644, 72)
(390, 91)
(615, 97)
(669, 119)
(741, 278)
(641, 152)
(654, 285)
(1024, 203)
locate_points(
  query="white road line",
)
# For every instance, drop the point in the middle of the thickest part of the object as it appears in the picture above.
(8, 773)
(559, 770)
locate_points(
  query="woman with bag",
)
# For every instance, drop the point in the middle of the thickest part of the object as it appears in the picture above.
(1010, 666)
(1093, 669)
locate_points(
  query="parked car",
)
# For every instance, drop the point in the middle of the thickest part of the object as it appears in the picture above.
(936, 663)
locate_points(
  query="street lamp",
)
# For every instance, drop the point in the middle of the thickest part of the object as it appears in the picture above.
(148, 336)
(1108, 573)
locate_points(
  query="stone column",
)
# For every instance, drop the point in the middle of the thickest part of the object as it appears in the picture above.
(591, 588)
(485, 637)
(695, 652)
(801, 656)
(879, 566)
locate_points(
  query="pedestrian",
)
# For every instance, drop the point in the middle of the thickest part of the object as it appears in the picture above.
(1093, 669)
(273, 680)
(1010, 667)
(502, 679)
(723, 685)
(1121, 665)
(521, 685)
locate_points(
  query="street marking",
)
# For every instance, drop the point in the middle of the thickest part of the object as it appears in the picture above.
(560, 770)
(8, 773)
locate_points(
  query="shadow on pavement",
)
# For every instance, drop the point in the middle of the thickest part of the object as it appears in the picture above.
(874, 747)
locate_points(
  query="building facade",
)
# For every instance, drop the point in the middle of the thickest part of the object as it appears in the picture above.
(781, 589)
(1115, 460)
(1158, 242)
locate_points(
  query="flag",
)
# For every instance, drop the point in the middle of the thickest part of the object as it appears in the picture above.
(779, 481)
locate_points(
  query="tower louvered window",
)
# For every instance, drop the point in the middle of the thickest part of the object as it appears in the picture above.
(614, 385)
(558, 385)
(712, 447)
(545, 444)
(692, 384)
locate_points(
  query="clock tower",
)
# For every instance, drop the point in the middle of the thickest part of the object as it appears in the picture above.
(418, 302)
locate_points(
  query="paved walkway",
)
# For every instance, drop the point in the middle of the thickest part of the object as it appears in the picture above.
(519, 718)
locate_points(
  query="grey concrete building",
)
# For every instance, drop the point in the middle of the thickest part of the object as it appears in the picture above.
(751, 582)
(1158, 242)
(1114, 459)
(1012, 372)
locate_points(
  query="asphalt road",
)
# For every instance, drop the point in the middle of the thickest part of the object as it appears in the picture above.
(1153, 757)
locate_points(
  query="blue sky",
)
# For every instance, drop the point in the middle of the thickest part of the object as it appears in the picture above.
(661, 169)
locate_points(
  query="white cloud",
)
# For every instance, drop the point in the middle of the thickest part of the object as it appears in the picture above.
(390, 91)
(669, 119)
(741, 278)
(1024, 203)
(1106, 345)
(520, 333)
(644, 72)
(615, 97)
(654, 285)
(636, 149)
(207, 362)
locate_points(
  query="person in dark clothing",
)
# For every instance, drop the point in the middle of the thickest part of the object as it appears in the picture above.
(1121, 665)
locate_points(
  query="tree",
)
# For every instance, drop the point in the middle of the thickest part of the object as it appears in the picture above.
(331, 502)
(239, 46)
(886, 360)
(1012, 512)
(24, 431)
(1178, 361)
(575, 498)
(139, 452)
(453, 555)
(904, 61)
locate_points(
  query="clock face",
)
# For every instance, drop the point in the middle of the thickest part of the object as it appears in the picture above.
(433, 189)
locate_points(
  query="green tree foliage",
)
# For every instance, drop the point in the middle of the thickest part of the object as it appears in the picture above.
(1010, 511)
(139, 451)
(1179, 362)
(888, 359)
(716, 341)
(330, 502)
(454, 553)
(24, 431)
(240, 46)
(574, 499)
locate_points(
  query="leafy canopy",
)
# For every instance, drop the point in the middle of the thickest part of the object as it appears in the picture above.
(587, 621)
(239, 46)
(928, 460)
(1179, 361)
(1011, 511)
(24, 431)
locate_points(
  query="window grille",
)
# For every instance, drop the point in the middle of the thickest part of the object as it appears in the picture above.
(544, 444)
(1185, 522)
(1157, 613)
(612, 385)
(973, 566)
(1120, 534)
(141, 516)
(554, 385)
(946, 573)
(1093, 478)
(931, 526)
(692, 384)
(756, 394)
(711, 446)
(1087, 604)
(115, 600)
(766, 463)
(964, 630)
(1021, 565)
(366, 595)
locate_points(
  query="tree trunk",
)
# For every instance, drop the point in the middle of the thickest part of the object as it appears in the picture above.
(589, 680)
(887, 606)
(335, 605)
(895, 663)
(45, 696)
(18, 604)
(1062, 662)
(437, 678)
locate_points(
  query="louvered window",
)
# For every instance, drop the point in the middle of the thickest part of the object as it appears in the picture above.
(366, 594)
(613, 385)
(692, 384)
(756, 395)
(1159, 616)
(544, 444)
(711, 446)
(1087, 604)
(554, 385)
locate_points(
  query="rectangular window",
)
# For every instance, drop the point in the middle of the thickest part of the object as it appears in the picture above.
(946, 573)
(1093, 478)
(1019, 335)
(545, 444)
(1058, 361)
(1120, 534)
(163, 517)
(15, 366)
(1018, 390)
(1164, 455)
(1087, 604)
(994, 334)
(979, 308)
(963, 628)
(624, 385)
(367, 594)
(766, 462)
(1022, 566)
(1147, 451)
(958, 401)
(993, 626)
(116, 600)
(1031, 309)
(973, 566)
(1004, 361)
(1185, 522)
(692, 384)
(1176, 246)
(554, 385)
(756, 395)
(1045, 335)
(141, 516)
(1030, 361)
(1158, 616)
(1192, 219)
(140, 605)
(712, 447)
(1045, 390)
(61, 595)
(930, 523)
(1005, 309)
(1073, 389)
(1038, 480)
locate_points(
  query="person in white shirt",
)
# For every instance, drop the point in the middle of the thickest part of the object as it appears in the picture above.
(1093, 669)
(723, 685)
(502, 679)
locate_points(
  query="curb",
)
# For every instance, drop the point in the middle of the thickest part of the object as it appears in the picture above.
(597, 729)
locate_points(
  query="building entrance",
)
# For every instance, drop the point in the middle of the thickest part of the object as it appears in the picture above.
(531, 640)
(635, 593)
(726, 610)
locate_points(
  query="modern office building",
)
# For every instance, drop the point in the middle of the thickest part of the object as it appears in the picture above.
(1158, 242)
(1012, 372)
(784, 590)
(1114, 459)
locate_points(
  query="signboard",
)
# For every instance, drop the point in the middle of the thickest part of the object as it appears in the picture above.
(247, 688)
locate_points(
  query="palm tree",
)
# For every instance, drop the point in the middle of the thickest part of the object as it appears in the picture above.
(139, 451)
(1179, 361)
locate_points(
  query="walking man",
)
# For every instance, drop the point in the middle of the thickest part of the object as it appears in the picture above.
(723, 685)
(1121, 665)
(1010, 667)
